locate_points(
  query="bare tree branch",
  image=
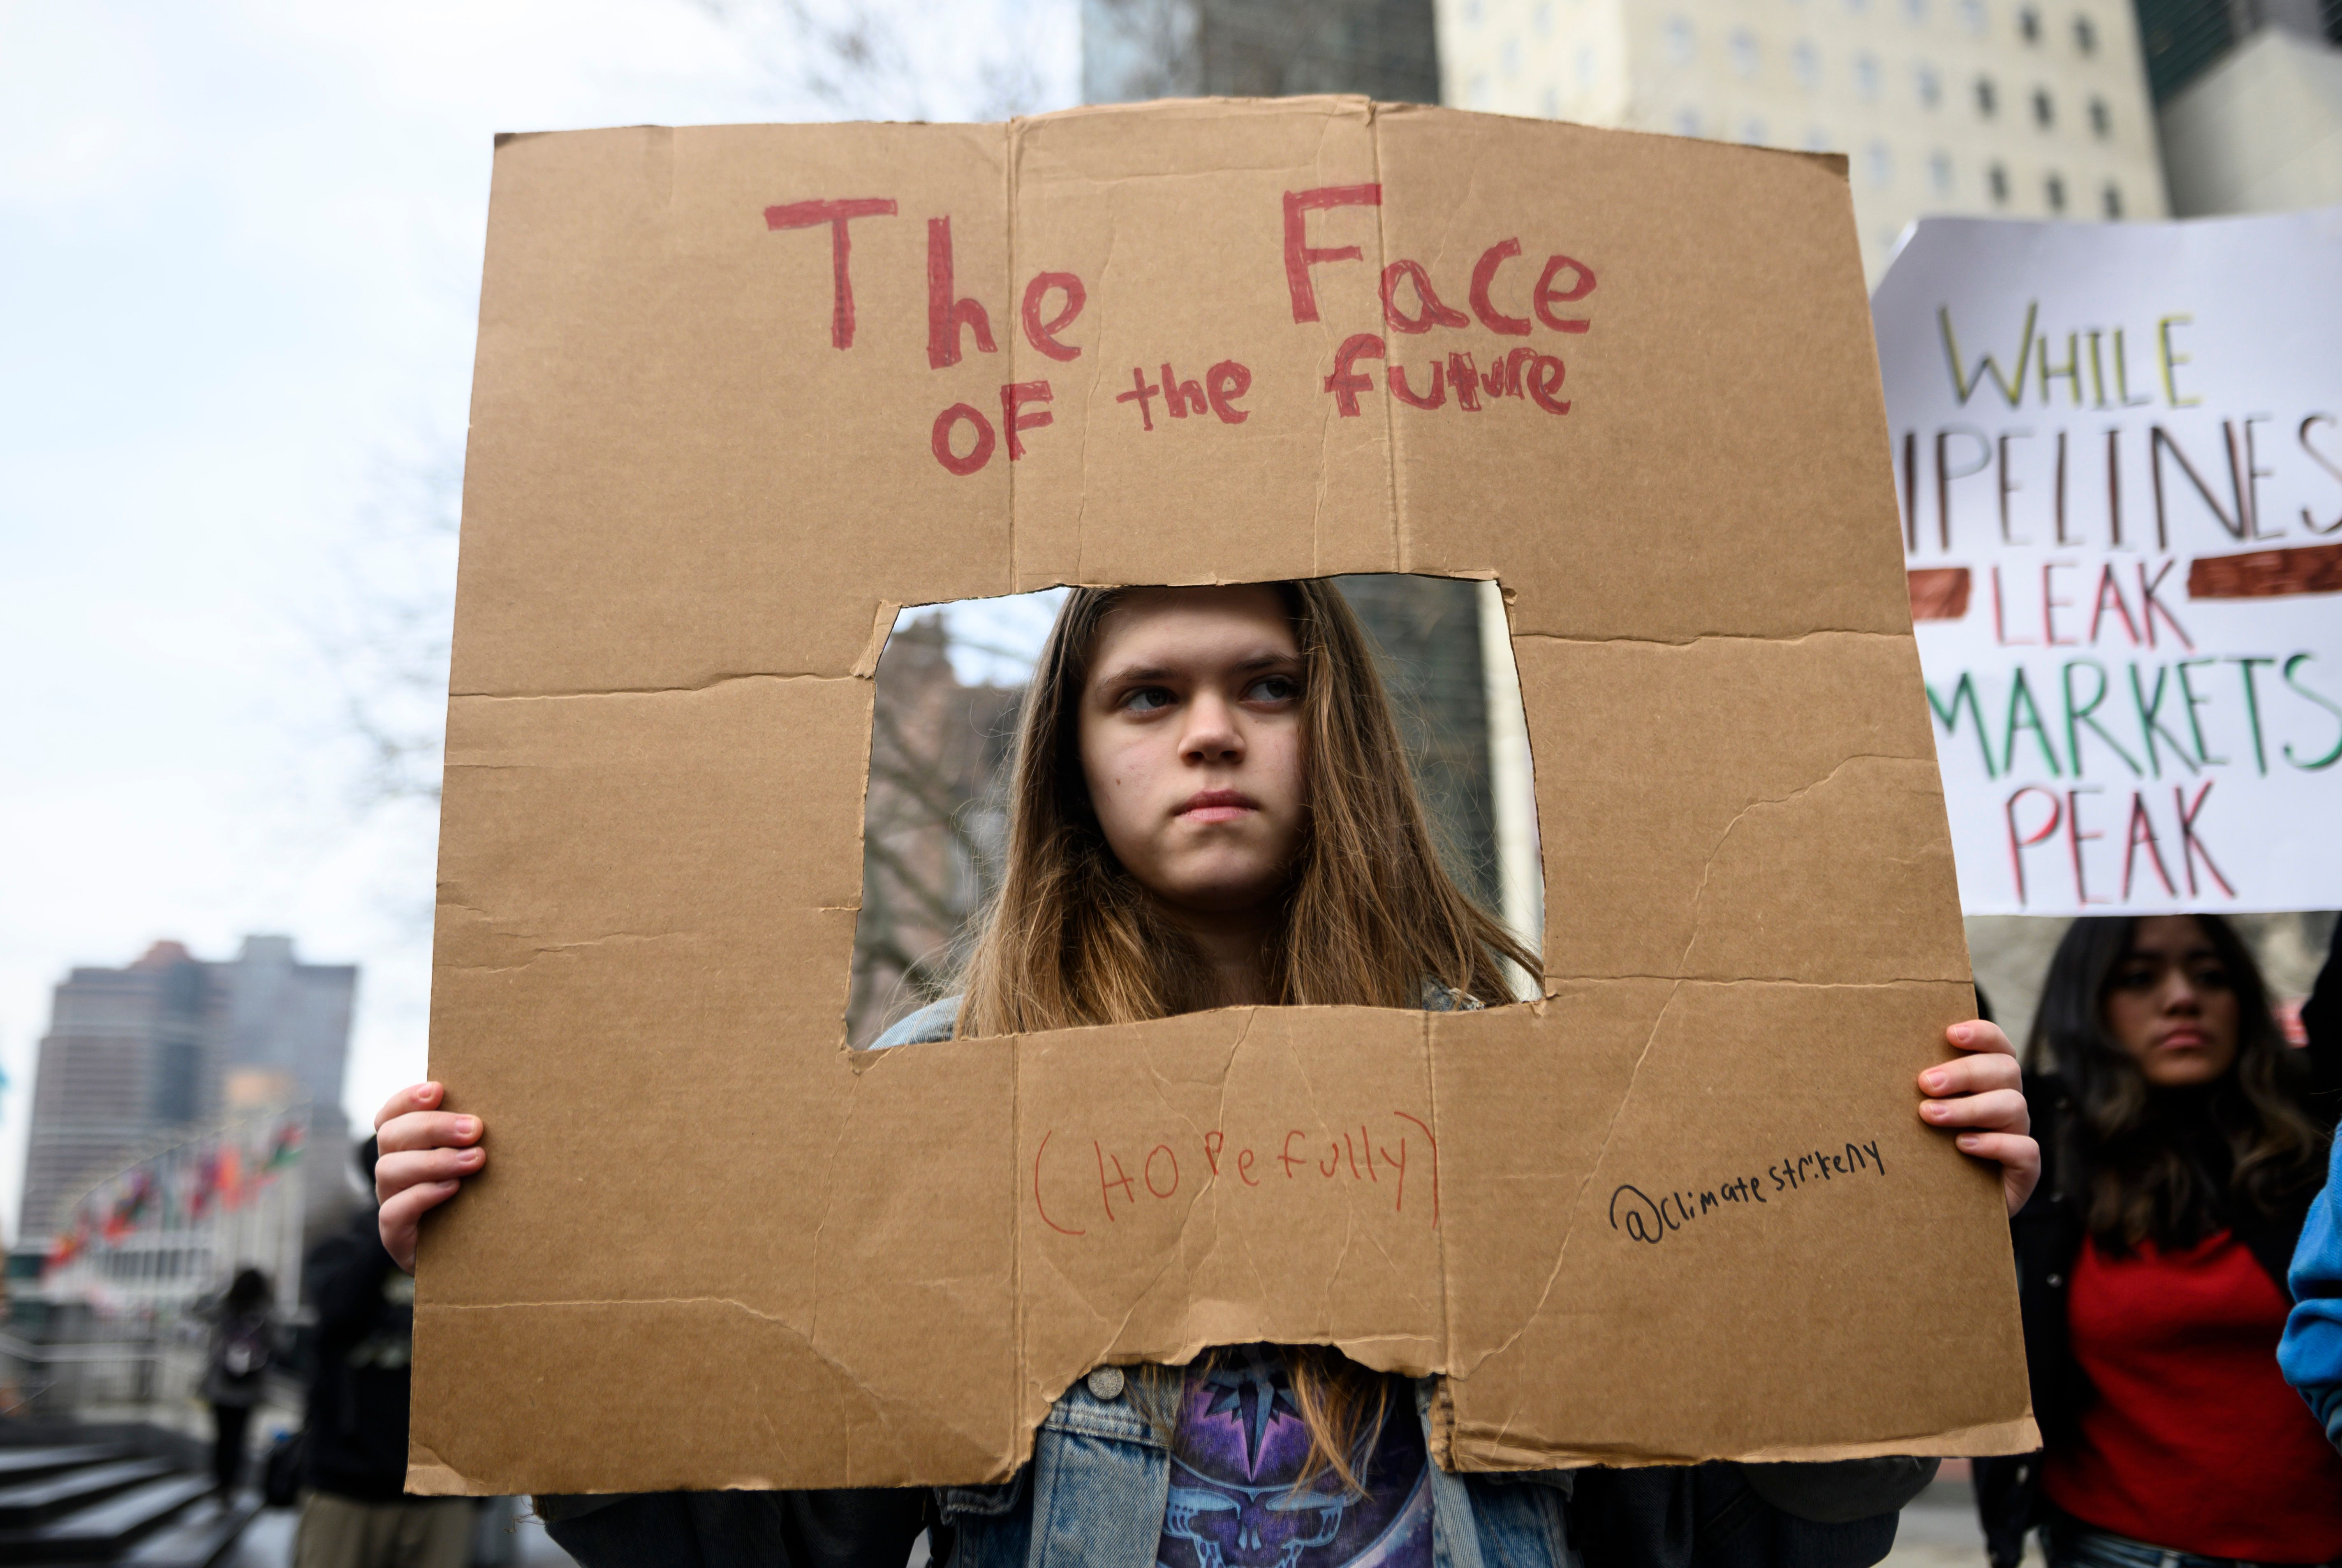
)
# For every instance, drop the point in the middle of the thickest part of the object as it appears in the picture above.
(387, 645)
(852, 56)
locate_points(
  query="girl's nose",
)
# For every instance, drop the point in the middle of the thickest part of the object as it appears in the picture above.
(2179, 992)
(1211, 734)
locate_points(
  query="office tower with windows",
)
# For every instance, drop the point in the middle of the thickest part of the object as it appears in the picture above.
(1137, 49)
(2250, 92)
(161, 1049)
(2024, 108)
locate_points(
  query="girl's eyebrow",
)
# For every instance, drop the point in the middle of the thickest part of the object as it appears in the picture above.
(1267, 660)
(1135, 672)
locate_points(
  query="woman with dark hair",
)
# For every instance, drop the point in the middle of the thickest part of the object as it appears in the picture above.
(244, 1336)
(2181, 1142)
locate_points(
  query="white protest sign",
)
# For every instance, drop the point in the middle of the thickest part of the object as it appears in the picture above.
(2119, 449)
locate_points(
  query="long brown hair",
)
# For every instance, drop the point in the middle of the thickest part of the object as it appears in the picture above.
(2161, 1166)
(1342, 1404)
(1369, 915)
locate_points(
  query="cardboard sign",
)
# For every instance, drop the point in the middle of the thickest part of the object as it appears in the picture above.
(2121, 450)
(742, 391)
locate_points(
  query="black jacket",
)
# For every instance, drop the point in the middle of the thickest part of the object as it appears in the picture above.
(357, 1429)
(2048, 1233)
(1818, 1515)
(1840, 1515)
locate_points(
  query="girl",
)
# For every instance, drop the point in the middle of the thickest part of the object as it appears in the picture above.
(2182, 1146)
(1210, 809)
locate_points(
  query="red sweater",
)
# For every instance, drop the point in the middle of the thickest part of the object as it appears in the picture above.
(2194, 1443)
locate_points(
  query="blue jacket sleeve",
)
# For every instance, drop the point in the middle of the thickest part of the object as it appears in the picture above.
(933, 1023)
(2310, 1354)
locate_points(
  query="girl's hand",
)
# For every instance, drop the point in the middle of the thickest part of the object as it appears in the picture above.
(424, 1155)
(1981, 1096)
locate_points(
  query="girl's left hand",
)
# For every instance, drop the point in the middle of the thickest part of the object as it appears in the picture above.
(1980, 1095)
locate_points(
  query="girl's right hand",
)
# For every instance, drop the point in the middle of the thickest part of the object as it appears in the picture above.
(424, 1153)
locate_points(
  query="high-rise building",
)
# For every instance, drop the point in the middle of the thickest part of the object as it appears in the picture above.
(1135, 49)
(2021, 108)
(2250, 92)
(2184, 39)
(139, 1055)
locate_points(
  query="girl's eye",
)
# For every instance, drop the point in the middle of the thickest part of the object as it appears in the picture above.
(1146, 699)
(1272, 689)
(2137, 976)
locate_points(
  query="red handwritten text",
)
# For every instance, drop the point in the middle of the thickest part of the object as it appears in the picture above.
(836, 215)
(964, 437)
(1358, 1155)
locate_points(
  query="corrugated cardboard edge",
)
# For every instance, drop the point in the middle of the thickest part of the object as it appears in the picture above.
(2020, 1436)
(432, 1478)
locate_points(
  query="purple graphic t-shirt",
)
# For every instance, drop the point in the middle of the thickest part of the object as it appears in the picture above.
(1233, 1502)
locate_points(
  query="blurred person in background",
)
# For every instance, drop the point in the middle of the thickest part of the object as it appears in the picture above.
(2182, 1140)
(2311, 1354)
(356, 1514)
(243, 1339)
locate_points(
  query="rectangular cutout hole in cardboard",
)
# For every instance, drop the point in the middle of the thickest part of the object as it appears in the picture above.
(950, 687)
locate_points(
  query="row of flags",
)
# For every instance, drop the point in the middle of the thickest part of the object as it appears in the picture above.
(182, 1187)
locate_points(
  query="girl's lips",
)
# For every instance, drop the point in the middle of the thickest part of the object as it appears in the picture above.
(2182, 1040)
(1216, 806)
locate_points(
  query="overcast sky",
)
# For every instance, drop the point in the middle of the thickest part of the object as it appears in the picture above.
(239, 256)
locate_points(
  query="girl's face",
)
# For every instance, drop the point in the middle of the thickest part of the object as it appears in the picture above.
(1191, 744)
(2169, 1003)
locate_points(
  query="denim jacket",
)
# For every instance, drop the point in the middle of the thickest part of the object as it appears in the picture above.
(1095, 1495)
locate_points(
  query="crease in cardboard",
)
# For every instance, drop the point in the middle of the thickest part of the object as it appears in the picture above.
(1012, 153)
(566, 949)
(1019, 1238)
(829, 1191)
(1309, 1086)
(1478, 1454)
(1696, 639)
(1401, 542)
(1707, 868)
(1177, 1252)
(880, 1404)
(1792, 981)
(707, 685)
(1578, 1199)
(1439, 1237)
(1326, 412)
(658, 158)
